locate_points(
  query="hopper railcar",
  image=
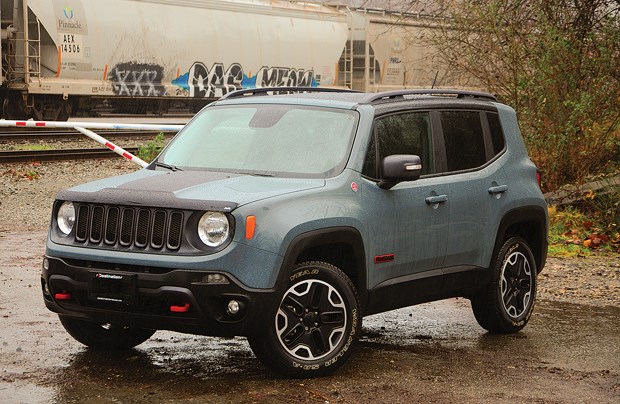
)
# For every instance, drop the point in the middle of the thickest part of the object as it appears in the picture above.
(65, 57)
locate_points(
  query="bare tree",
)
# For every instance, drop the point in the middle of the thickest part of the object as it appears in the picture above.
(556, 62)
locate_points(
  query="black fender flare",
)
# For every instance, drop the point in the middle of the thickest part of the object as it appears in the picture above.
(530, 214)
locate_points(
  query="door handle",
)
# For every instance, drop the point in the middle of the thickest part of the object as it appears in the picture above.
(499, 189)
(431, 200)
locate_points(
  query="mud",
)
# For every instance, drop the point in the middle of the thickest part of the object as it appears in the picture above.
(428, 353)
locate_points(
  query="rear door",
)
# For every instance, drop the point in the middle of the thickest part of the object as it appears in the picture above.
(474, 169)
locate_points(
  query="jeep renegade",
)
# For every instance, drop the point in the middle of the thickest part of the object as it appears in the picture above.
(287, 218)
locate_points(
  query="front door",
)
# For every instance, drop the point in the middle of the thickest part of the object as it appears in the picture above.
(413, 214)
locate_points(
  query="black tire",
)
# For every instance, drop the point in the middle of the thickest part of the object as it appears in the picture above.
(506, 304)
(105, 337)
(316, 325)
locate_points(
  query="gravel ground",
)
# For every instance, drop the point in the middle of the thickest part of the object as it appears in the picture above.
(27, 192)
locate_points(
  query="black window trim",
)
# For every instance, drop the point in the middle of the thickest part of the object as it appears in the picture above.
(439, 147)
(486, 133)
(490, 136)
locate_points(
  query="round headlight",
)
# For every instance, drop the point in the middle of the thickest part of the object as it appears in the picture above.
(66, 217)
(213, 229)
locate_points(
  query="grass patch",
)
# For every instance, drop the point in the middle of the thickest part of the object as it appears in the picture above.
(33, 147)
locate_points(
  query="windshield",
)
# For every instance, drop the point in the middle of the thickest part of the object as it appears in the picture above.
(278, 140)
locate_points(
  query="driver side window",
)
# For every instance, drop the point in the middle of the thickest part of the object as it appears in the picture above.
(406, 133)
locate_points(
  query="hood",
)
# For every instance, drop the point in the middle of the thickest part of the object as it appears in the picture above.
(200, 190)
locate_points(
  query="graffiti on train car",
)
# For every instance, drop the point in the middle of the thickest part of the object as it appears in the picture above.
(205, 83)
(282, 76)
(137, 79)
(202, 82)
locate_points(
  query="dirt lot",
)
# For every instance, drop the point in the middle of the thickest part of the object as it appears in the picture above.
(569, 352)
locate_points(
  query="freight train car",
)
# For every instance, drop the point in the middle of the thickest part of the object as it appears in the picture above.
(63, 56)
(389, 50)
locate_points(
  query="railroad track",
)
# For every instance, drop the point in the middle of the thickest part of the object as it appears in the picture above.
(30, 156)
(39, 135)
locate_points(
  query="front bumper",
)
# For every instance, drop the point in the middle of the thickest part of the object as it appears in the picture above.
(180, 300)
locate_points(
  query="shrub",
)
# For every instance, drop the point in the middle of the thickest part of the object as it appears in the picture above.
(152, 148)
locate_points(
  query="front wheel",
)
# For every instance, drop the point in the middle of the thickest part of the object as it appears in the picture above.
(105, 337)
(506, 304)
(315, 326)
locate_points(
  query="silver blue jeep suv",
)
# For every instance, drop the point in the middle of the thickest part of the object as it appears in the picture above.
(287, 218)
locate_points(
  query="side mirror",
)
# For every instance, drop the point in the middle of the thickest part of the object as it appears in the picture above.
(398, 168)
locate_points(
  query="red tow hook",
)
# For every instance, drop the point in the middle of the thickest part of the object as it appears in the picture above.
(64, 295)
(180, 309)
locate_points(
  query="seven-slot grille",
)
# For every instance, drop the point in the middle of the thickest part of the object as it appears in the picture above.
(129, 227)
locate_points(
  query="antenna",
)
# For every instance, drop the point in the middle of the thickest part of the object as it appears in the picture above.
(435, 79)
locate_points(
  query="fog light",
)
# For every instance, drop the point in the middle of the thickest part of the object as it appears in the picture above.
(215, 278)
(46, 263)
(46, 289)
(233, 307)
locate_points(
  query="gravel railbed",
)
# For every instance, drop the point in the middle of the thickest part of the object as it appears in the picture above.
(77, 143)
(28, 190)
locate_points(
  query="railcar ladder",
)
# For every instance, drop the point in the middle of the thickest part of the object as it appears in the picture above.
(21, 66)
(348, 63)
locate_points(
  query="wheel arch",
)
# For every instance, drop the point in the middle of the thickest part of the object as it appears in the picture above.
(529, 223)
(339, 246)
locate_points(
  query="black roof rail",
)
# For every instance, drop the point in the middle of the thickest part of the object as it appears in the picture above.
(284, 90)
(433, 91)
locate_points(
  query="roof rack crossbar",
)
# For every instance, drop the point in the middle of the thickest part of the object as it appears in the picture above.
(283, 90)
(434, 91)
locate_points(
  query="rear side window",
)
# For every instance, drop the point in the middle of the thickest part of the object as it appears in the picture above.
(464, 140)
(407, 133)
(497, 135)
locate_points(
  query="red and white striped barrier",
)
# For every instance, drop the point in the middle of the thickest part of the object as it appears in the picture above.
(116, 149)
(84, 127)
(89, 125)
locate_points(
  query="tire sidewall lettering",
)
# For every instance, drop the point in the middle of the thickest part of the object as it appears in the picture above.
(350, 340)
(304, 273)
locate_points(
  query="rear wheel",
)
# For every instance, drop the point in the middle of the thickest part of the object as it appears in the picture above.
(315, 326)
(506, 304)
(105, 337)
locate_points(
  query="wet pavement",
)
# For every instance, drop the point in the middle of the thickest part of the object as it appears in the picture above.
(431, 353)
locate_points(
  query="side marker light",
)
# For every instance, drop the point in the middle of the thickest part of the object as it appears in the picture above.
(250, 227)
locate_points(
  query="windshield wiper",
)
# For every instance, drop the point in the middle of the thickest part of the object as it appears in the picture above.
(168, 166)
